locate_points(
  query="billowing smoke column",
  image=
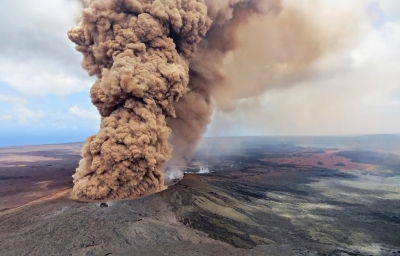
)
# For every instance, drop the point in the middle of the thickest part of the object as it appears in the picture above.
(160, 69)
(207, 81)
(139, 50)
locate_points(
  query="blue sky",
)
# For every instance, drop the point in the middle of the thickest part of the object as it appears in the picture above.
(44, 93)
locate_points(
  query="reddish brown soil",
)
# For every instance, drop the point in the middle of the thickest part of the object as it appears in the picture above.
(33, 173)
(326, 160)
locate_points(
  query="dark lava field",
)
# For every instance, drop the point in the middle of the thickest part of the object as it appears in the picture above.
(255, 196)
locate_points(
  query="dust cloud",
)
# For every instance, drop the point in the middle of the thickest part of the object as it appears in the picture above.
(164, 66)
(139, 51)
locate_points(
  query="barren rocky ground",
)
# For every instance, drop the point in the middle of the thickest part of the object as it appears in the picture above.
(263, 196)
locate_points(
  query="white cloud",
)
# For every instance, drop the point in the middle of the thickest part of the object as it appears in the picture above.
(84, 113)
(36, 56)
(6, 118)
(391, 9)
(12, 99)
(20, 110)
(26, 115)
(36, 80)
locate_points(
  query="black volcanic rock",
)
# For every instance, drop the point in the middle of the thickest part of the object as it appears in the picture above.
(249, 206)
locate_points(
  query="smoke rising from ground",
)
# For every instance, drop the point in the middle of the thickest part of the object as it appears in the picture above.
(141, 72)
(163, 66)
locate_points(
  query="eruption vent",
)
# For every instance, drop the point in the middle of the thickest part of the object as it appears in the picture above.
(161, 66)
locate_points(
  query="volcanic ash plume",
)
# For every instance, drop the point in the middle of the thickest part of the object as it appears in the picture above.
(163, 65)
(206, 75)
(139, 50)
(252, 46)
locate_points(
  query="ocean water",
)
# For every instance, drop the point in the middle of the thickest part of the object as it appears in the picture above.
(25, 138)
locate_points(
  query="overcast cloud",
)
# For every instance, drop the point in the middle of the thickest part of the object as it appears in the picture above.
(36, 56)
